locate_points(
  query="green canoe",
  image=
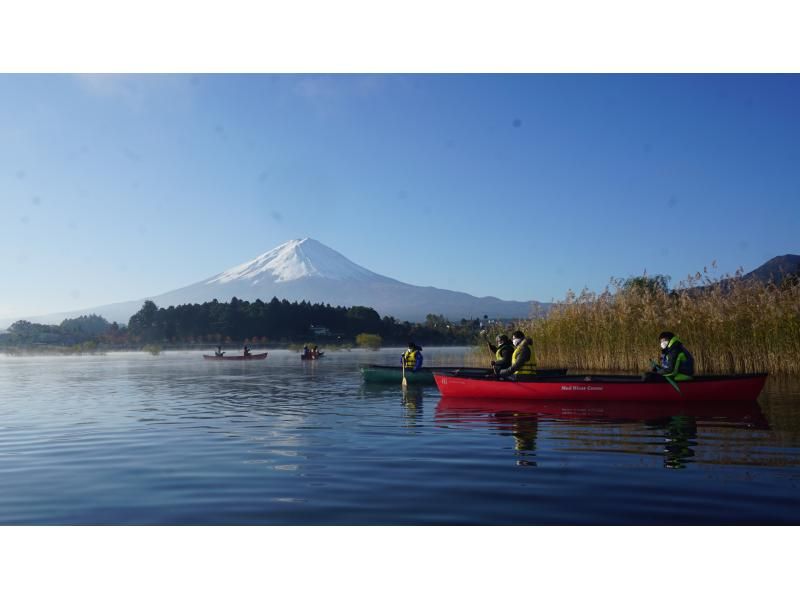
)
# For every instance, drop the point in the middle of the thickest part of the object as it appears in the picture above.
(393, 374)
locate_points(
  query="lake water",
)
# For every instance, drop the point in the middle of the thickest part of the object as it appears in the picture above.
(130, 438)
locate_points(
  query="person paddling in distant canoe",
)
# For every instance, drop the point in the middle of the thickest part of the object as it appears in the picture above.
(676, 361)
(523, 363)
(412, 358)
(219, 352)
(306, 353)
(246, 351)
(502, 352)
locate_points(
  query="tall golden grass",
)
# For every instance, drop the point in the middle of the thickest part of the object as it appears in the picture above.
(730, 325)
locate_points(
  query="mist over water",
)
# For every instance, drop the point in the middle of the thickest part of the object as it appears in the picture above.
(130, 438)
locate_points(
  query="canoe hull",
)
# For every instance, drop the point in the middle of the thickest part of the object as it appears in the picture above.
(389, 374)
(253, 357)
(603, 388)
(394, 375)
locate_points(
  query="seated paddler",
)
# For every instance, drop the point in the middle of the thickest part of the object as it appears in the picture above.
(676, 361)
(502, 352)
(523, 363)
(412, 358)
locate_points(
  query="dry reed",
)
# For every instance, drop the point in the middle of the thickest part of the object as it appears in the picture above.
(730, 325)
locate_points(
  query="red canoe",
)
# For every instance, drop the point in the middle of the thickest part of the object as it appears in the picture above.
(745, 387)
(236, 357)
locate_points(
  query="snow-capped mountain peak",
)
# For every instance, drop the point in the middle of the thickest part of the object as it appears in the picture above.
(293, 260)
(307, 270)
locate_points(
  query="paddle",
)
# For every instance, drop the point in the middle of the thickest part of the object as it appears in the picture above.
(405, 382)
(667, 378)
(674, 384)
(492, 371)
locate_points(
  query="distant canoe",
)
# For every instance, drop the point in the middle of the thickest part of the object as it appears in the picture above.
(393, 374)
(236, 357)
(312, 357)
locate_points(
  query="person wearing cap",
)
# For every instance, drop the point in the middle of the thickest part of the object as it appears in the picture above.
(676, 361)
(502, 352)
(412, 358)
(522, 359)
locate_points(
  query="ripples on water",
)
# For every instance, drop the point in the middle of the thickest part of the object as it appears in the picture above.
(137, 439)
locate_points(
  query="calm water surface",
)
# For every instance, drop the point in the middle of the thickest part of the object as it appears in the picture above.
(136, 439)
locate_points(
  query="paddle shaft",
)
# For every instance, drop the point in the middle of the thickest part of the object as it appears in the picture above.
(673, 383)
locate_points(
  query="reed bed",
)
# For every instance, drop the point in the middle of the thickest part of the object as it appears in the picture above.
(730, 325)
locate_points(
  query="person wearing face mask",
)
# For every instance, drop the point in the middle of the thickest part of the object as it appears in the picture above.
(522, 360)
(676, 361)
(502, 352)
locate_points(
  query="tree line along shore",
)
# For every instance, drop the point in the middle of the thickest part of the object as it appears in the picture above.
(276, 323)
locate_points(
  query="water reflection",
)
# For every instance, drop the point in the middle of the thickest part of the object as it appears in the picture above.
(524, 428)
(671, 430)
(411, 399)
(175, 439)
(412, 404)
(680, 436)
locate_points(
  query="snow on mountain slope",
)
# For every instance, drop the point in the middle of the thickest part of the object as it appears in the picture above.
(297, 259)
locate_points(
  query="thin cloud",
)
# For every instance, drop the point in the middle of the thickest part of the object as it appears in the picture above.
(327, 88)
(111, 86)
(135, 91)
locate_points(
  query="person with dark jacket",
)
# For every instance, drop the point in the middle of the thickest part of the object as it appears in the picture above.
(502, 352)
(676, 361)
(523, 362)
(412, 358)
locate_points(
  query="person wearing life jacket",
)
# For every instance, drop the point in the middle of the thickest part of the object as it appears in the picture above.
(523, 362)
(502, 352)
(676, 361)
(412, 358)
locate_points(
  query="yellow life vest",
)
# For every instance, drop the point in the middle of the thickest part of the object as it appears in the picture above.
(410, 358)
(529, 367)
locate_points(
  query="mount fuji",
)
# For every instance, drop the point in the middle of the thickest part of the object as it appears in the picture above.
(305, 269)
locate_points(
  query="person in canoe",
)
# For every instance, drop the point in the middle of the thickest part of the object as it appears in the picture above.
(314, 352)
(306, 353)
(676, 361)
(219, 352)
(412, 358)
(246, 351)
(502, 352)
(523, 363)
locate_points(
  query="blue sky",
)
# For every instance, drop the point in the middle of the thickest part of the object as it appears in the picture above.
(520, 186)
